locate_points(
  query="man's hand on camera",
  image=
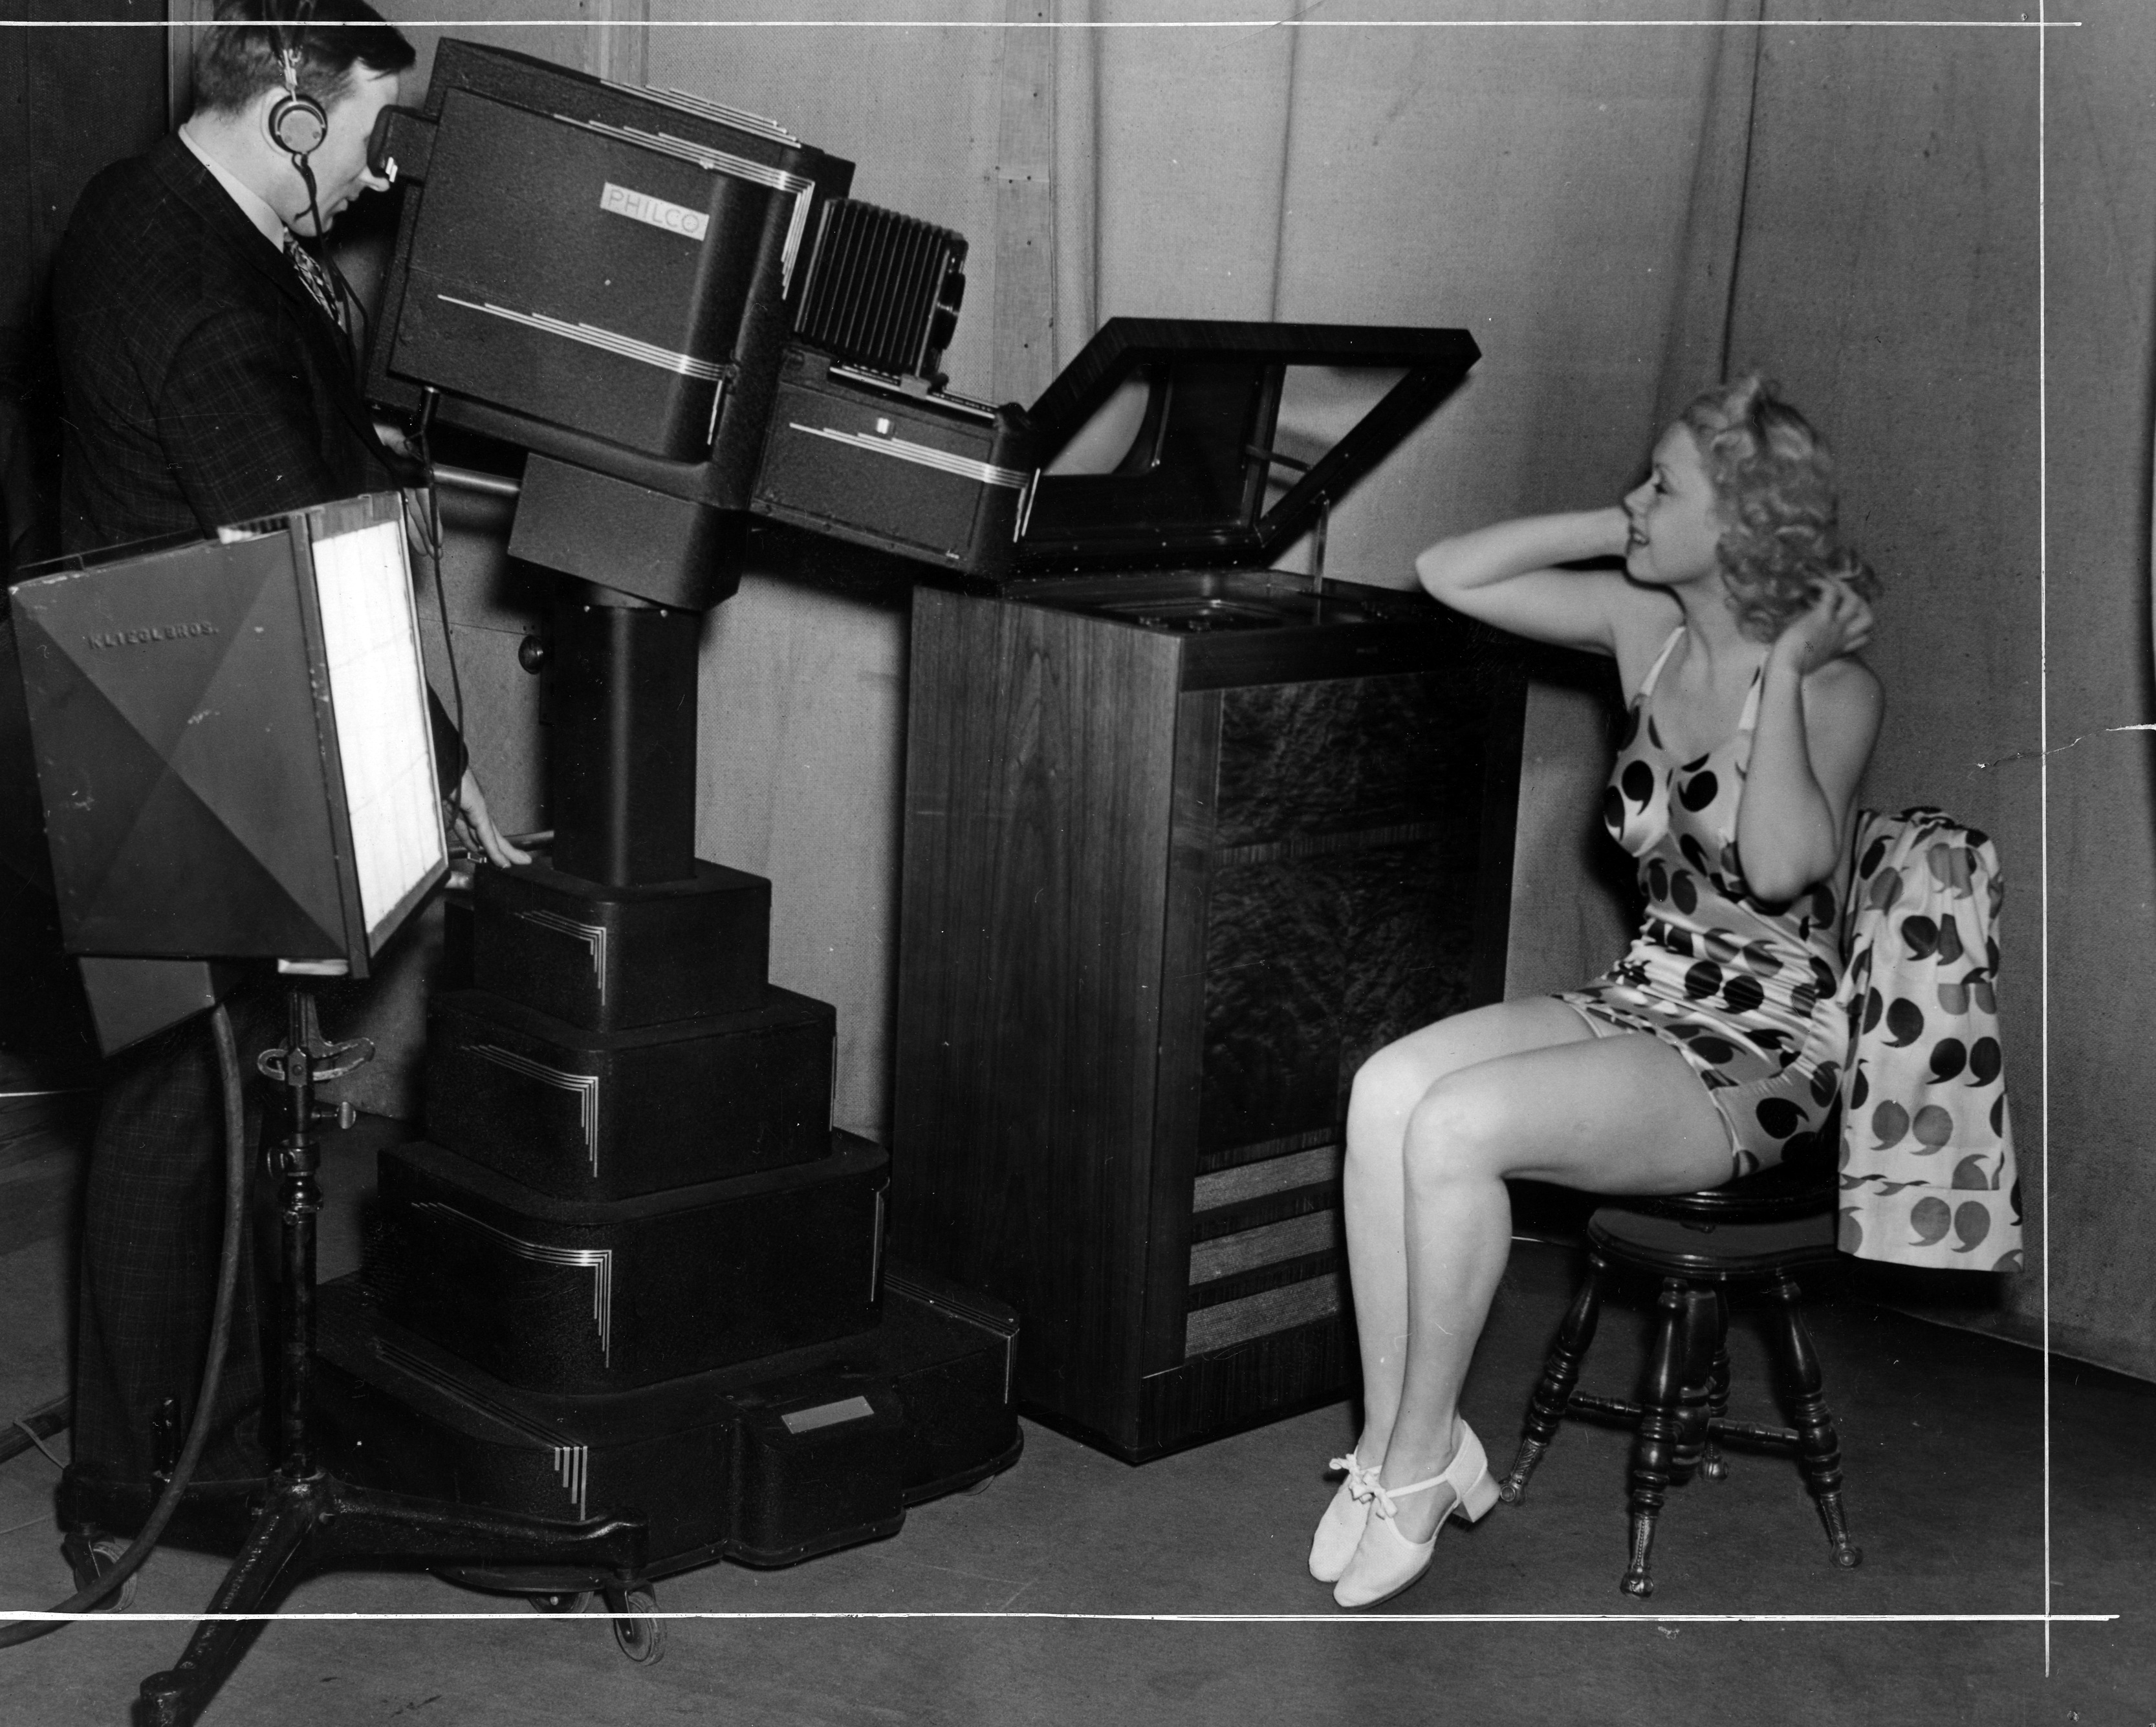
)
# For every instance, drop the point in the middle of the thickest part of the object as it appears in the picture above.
(473, 825)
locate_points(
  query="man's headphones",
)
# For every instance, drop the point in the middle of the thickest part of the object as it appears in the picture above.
(297, 122)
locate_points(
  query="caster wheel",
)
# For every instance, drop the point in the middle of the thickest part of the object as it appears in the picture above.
(637, 1627)
(979, 1487)
(570, 1600)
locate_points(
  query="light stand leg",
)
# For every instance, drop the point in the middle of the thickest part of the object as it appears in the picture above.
(299, 1203)
(309, 1518)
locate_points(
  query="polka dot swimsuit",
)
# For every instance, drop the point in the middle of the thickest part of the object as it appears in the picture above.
(1743, 987)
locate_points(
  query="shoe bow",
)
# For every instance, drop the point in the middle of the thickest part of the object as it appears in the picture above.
(1388, 1499)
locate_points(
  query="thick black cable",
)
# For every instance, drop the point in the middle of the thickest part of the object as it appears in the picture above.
(83, 1601)
(40, 1424)
(314, 208)
(433, 540)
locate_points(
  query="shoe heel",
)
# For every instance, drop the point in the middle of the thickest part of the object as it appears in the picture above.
(1473, 1501)
(1475, 1504)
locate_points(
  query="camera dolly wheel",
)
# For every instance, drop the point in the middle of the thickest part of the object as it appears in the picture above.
(636, 1627)
(564, 1601)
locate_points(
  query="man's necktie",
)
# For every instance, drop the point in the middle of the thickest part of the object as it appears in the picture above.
(316, 279)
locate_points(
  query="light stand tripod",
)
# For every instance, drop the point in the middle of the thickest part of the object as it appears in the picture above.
(308, 1520)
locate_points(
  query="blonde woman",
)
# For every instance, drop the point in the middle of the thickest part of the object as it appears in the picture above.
(1713, 1046)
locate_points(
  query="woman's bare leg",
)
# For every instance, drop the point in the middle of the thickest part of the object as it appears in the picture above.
(1608, 1115)
(1387, 1089)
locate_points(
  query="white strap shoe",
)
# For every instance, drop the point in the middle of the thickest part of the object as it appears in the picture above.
(1340, 1530)
(1386, 1562)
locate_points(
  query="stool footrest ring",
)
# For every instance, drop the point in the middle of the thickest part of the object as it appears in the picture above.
(1585, 1405)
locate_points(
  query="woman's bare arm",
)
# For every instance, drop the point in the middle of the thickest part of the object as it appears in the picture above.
(1819, 717)
(1505, 576)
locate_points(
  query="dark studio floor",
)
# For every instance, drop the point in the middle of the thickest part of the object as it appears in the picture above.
(1943, 1438)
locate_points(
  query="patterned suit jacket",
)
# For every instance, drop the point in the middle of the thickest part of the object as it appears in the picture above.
(203, 384)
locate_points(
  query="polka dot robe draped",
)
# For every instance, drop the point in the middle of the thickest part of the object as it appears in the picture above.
(1927, 1170)
(1743, 987)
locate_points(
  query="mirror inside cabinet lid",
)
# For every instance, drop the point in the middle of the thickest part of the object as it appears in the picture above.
(1175, 443)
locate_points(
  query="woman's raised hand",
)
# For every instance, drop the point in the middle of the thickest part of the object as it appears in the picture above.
(1612, 524)
(1837, 623)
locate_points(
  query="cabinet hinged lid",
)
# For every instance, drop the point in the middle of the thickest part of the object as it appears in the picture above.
(1183, 442)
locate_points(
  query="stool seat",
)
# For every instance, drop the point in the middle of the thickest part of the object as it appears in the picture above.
(1679, 1247)
(1746, 1236)
(1803, 1185)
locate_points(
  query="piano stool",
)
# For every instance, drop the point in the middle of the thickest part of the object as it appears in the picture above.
(1750, 1235)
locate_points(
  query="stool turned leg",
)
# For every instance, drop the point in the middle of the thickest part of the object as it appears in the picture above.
(1695, 1385)
(1711, 1463)
(1820, 1449)
(1654, 1452)
(1560, 1375)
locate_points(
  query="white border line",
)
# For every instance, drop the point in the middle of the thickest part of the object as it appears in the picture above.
(526, 1616)
(1107, 24)
(2041, 23)
(2043, 820)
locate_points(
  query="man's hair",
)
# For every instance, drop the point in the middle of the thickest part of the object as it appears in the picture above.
(242, 55)
(1774, 494)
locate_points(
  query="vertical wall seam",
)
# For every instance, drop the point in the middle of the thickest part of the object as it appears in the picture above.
(1744, 198)
(1286, 161)
(1697, 338)
(1098, 168)
(625, 41)
(2044, 797)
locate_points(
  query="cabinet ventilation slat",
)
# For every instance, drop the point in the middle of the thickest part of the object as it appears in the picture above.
(1276, 1175)
(1247, 1248)
(1232, 1322)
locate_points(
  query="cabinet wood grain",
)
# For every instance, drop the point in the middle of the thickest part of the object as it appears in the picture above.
(1151, 923)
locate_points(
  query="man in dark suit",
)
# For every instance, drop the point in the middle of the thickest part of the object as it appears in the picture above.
(209, 377)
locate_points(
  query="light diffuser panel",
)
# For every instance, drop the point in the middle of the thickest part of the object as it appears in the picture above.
(378, 696)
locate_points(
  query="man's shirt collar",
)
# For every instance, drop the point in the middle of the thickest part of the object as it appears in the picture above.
(267, 222)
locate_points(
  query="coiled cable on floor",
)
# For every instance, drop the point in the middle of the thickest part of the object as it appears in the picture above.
(220, 1336)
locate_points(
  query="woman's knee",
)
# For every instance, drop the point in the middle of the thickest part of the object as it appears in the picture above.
(1383, 1092)
(1458, 1131)
(1391, 1082)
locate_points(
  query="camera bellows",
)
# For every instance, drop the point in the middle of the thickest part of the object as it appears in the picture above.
(884, 290)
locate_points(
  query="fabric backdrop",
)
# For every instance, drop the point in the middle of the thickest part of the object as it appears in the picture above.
(1889, 273)
(1619, 215)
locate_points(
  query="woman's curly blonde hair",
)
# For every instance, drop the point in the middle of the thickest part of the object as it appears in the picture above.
(1774, 494)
